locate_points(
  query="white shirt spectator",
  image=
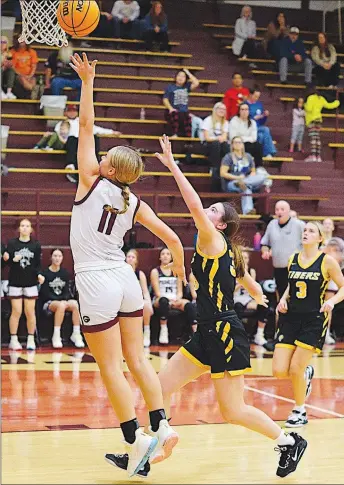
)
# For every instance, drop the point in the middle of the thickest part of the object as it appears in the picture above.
(123, 10)
(74, 128)
(239, 127)
(244, 28)
(214, 131)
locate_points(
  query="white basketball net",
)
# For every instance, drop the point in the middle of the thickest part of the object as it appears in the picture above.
(39, 23)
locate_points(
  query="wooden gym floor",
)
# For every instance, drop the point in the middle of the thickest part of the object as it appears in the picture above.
(57, 424)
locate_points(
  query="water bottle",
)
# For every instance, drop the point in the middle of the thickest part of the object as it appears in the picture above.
(256, 241)
(142, 114)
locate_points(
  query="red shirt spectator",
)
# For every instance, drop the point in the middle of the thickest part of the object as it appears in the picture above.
(235, 95)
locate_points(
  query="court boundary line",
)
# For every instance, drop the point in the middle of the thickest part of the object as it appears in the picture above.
(282, 398)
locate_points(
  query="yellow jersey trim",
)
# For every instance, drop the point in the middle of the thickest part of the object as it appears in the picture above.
(219, 255)
(309, 264)
(286, 346)
(193, 359)
(307, 347)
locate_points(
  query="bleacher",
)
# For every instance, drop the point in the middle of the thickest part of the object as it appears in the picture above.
(124, 85)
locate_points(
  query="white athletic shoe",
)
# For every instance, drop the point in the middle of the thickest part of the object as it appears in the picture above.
(259, 340)
(296, 419)
(167, 440)
(14, 344)
(57, 342)
(11, 96)
(77, 340)
(30, 344)
(3, 95)
(146, 337)
(163, 337)
(140, 451)
(329, 340)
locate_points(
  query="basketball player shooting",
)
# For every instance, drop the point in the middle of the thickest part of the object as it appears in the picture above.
(111, 302)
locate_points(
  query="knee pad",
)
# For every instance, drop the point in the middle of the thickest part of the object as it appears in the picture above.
(164, 308)
(191, 313)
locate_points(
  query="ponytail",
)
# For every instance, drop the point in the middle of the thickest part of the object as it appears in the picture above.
(126, 197)
(239, 263)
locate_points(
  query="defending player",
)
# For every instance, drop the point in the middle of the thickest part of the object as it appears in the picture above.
(104, 210)
(304, 318)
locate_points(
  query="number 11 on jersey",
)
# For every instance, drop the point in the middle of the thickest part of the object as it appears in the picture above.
(105, 216)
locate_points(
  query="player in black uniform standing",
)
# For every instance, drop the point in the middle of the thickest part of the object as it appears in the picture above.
(220, 343)
(55, 295)
(24, 258)
(304, 316)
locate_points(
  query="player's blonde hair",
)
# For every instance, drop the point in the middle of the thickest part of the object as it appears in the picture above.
(320, 228)
(128, 166)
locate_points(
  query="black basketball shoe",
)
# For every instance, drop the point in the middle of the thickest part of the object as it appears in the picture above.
(121, 461)
(290, 455)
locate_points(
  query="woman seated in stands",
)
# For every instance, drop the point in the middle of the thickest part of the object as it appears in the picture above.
(215, 140)
(276, 31)
(238, 174)
(132, 258)
(155, 28)
(7, 72)
(24, 63)
(56, 299)
(245, 32)
(243, 301)
(241, 125)
(168, 294)
(56, 140)
(260, 116)
(324, 56)
(176, 102)
(23, 255)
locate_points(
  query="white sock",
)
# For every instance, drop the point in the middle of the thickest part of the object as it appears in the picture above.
(30, 338)
(260, 331)
(57, 332)
(14, 338)
(76, 329)
(301, 409)
(146, 329)
(285, 439)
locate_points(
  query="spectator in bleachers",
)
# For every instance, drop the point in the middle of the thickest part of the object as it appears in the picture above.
(327, 68)
(8, 74)
(215, 138)
(125, 15)
(244, 44)
(59, 74)
(314, 105)
(243, 301)
(155, 28)
(24, 64)
(238, 174)
(260, 116)
(328, 228)
(176, 101)
(168, 294)
(235, 95)
(241, 125)
(56, 299)
(335, 248)
(56, 140)
(71, 146)
(277, 30)
(24, 258)
(294, 214)
(294, 57)
(298, 125)
(282, 238)
(132, 258)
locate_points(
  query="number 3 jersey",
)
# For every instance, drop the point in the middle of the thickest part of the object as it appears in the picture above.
(307, 284)
(96, 235)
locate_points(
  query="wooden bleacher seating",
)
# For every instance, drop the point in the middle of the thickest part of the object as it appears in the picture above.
(339, 54)
(263, 61)
(275, 73)
(120, 40)
(272, 86)
(231, 36)
(335, 147)
(259, 29)
(124, 52)
(142, 65)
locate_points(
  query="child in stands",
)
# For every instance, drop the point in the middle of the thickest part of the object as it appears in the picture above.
(298, 126)
(56, 140)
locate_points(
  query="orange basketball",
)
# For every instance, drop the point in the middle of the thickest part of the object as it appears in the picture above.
(78, 18)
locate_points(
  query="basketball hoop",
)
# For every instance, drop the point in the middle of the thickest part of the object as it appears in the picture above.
(39, 23)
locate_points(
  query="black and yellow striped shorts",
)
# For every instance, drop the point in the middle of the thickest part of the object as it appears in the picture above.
(220, 346)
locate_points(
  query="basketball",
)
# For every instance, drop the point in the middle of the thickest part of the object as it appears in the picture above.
(78, 18)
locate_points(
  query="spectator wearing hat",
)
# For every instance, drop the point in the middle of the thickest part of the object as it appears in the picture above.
(294, 57)
(59, 74)
(72, 115)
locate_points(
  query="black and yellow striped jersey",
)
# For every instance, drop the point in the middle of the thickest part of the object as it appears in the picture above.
(307, 284)
(214, 282)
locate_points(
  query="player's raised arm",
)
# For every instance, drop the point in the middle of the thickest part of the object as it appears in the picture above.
(87, 160)
(205, 227)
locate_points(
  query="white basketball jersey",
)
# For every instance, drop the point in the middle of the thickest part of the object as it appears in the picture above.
(96, 235)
